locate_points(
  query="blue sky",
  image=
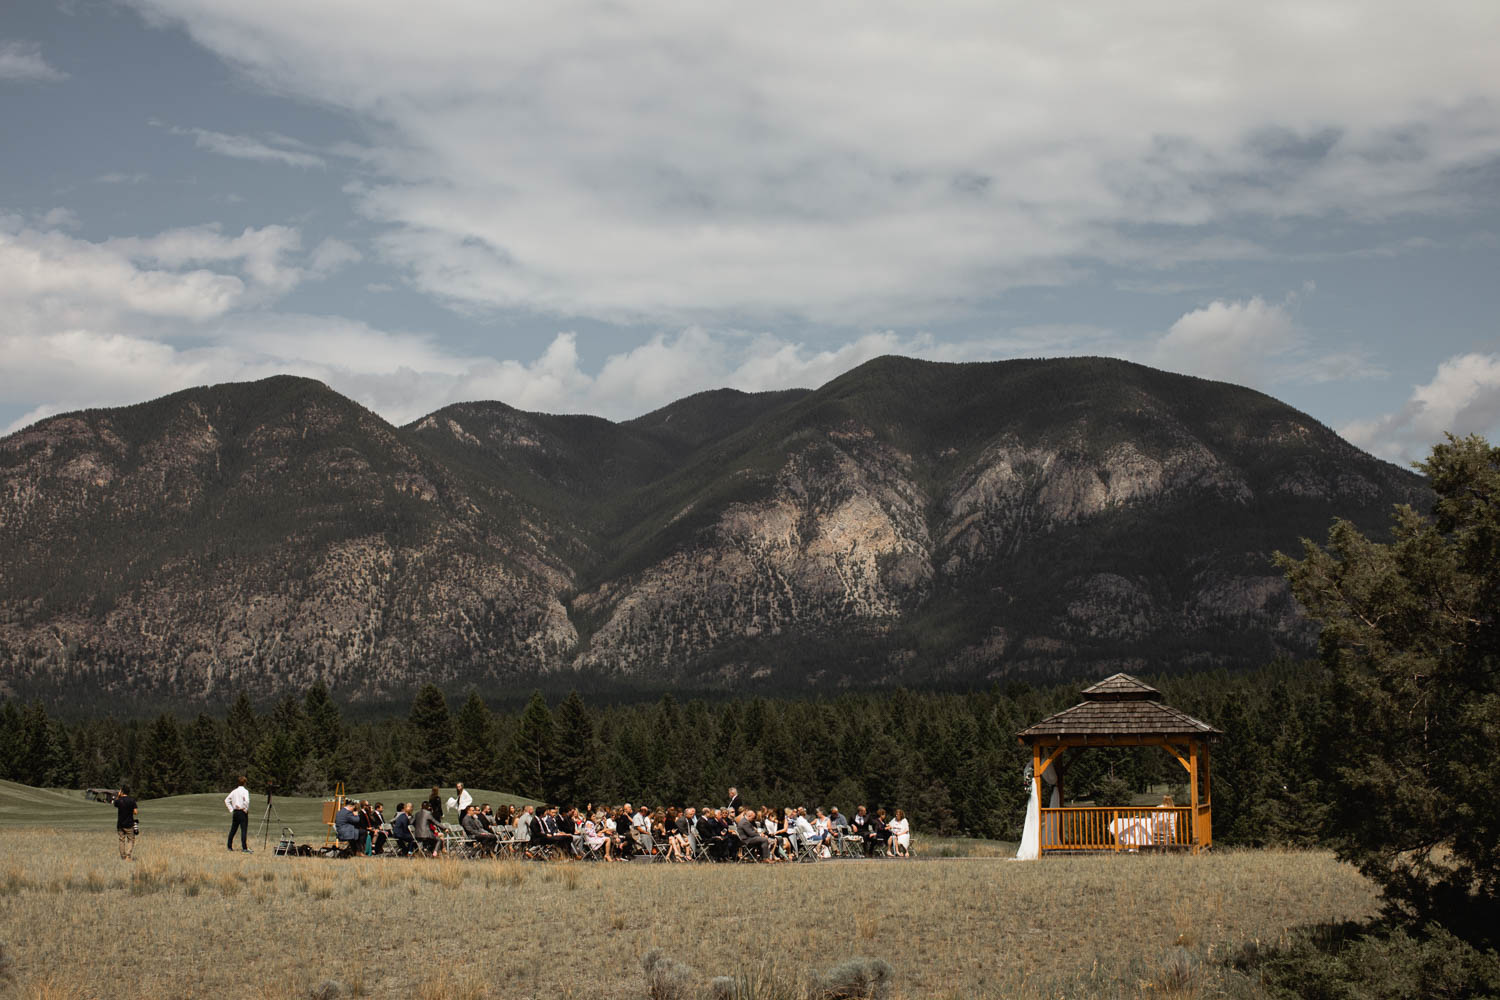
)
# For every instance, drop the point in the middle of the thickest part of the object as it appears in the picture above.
(601, 207)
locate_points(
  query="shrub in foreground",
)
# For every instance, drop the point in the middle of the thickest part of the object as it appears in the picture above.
(1377, 962)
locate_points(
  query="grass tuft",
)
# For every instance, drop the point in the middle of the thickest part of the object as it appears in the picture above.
(856, 979)
(668, 979)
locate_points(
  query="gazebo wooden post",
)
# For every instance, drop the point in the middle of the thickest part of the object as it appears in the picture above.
(1206, 831)
(1193, 789)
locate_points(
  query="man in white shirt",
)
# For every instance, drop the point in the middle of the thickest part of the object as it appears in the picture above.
(805, 834)
(238, 804)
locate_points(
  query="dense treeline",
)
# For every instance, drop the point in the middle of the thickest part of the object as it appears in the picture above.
(950, 760)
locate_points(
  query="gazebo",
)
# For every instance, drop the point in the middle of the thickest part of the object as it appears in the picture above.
(1121, 711)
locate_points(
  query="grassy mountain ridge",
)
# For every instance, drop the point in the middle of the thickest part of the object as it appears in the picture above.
(908, 521)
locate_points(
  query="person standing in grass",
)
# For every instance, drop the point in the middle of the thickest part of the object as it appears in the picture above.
(238, 804)
(125, 823)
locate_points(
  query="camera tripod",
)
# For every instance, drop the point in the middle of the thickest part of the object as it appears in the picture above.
(265, 821)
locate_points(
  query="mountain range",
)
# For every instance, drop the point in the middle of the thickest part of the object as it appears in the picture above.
(909, 522)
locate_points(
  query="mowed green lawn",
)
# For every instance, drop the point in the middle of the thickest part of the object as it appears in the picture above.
(64, 809)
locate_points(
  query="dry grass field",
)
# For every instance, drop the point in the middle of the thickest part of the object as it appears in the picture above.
(188, 919)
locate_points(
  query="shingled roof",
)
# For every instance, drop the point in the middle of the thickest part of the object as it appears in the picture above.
(1117, 710)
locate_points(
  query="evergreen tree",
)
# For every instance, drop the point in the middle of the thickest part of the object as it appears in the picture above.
(205, 750)
(325, 724)
(473, 743)
(429, 737)
(277, 761)
(533, 752)
(61, 769)
(12, 742)
(243, 734)
(164, 767)
(46, 757)
(1412, 641)
(578, 753)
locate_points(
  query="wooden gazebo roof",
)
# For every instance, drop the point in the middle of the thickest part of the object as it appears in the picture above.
(1118, 709)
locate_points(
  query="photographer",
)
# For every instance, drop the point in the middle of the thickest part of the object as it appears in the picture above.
(127, 824)
(238, 804)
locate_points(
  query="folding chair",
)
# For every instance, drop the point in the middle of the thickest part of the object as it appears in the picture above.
(458, 844)
(806, 850)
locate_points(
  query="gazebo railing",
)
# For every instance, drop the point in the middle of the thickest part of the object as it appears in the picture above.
(1114, 828)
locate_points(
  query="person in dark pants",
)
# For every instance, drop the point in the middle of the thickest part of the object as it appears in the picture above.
(125, 823)
(238, 804)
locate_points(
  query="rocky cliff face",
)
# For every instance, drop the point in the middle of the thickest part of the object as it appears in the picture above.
(907, 522)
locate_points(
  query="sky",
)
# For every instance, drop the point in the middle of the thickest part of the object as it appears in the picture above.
(600, 207)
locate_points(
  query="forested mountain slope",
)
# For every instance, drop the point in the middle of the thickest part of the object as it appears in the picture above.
(907, 522)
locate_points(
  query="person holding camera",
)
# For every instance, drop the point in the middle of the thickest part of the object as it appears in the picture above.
(238, 804)
(127, 823)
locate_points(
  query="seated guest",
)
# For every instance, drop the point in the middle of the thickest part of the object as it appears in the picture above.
(425, 830)
(640, 830)
(900, 830)
(401, 831)
(751, 837)
(527, 829)
(660, 825)
(680, 836)
(595, 838)
(476, 831)
(779, 831)
(805, 832)
(874, 833)
(374, 824)
(554, 836)
(505, 822)
(346, 826)
(626, 843)
(487, 817)
(711, 834)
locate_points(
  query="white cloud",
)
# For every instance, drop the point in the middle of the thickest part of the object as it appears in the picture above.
(1253, 342)
(96, 323)
(332, 254)
(244, 147)
(1228, 340)
(797, 161)
(59, 218)
(52, 274)
(1463, 397)
(23, 61)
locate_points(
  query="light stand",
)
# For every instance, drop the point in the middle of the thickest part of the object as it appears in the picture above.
(265, 821)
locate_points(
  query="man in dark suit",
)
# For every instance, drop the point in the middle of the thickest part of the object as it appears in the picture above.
(735, 805)
(552, 835)
(476, 831)
(401, 833)
(711, 833)
(751, 837)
